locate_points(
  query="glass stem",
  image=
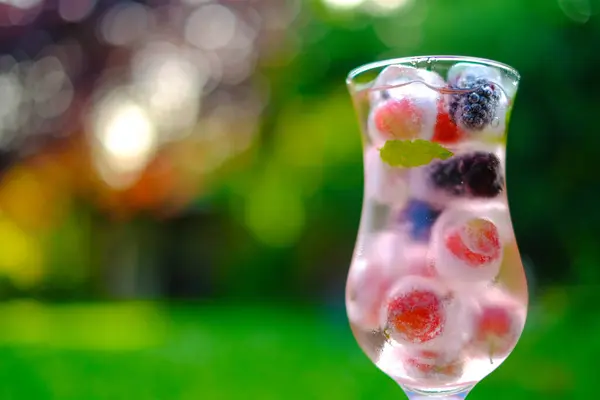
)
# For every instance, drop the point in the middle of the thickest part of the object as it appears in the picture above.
(437, 396)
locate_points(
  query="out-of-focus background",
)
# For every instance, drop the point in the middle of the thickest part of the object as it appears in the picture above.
(181, 186)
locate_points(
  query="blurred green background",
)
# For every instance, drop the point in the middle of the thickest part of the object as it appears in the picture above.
(182, 183)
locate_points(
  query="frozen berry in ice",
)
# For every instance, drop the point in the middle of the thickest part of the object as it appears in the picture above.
(435, 368)
(398, 119)
(497, 328)
(419, 216)
(477, 174)
(476, 243)
(446, 131)
(475, 110)
(468, 251)
(416, 311)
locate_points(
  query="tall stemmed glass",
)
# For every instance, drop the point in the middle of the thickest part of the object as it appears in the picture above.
(436, 293)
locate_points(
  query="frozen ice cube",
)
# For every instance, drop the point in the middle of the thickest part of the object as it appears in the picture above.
(421, 188)
(433, 370)
(476, 171)
(498, 125)
(414, 258)
(397, 75)
(383, 183)
(422, 100)
(468, 245)
(496, 323)
(423, 313)
(461, 75)
(370, 277)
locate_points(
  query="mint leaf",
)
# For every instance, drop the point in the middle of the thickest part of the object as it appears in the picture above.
(412, 153)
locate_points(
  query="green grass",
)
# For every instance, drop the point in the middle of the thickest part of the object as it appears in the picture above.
(154, 351)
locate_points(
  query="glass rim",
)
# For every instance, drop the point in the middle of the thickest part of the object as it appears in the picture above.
(355, 72)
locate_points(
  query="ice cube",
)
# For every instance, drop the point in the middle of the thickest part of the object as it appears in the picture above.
(407, 111)
(421, 188)
(417, 219)
(461, 74)
(423, 313)
(496, 323)
(467, 245)
(497, 127)
(474, 172)
(430, 369)
(366, 283)
(397, 75)
(370, 277)
(414, 258)
(383, 183)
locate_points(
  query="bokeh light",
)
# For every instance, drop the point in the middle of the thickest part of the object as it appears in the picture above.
(127, 139)
(343, 4)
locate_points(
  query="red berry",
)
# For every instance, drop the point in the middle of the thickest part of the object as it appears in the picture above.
(398, 119)
(477, 243)
(446, 131)
(497, 328)
(416, 312)
(434, 368)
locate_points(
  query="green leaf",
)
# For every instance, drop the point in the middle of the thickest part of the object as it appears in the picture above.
(412, 153)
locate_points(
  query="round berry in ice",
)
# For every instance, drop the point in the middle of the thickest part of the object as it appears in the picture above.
(417, 310)
(470, 250)
(496, 328)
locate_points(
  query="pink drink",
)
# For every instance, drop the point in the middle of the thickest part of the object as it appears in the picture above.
(436, 293)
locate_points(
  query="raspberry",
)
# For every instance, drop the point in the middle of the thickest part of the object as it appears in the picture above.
(476, 243)
(496, 330)
(398, 119)
(477, 174)
(476, 109)
(433, 368)
(416, 312)
(420, 216)
(446, 131)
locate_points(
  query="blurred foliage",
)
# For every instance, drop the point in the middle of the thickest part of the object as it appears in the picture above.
(279, 215)
(224, 351)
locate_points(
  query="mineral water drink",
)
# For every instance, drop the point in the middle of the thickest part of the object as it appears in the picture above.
(436, 293)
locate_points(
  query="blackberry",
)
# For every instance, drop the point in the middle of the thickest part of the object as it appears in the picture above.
(477, 174)
(477, 109)
(419, 216)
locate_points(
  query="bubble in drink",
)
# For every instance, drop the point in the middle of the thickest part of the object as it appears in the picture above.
(404, 112)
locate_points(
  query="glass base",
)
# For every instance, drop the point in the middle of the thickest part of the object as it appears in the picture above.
(452, 394)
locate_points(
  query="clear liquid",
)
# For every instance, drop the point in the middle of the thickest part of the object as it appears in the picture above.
(475, 313)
